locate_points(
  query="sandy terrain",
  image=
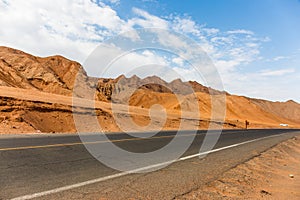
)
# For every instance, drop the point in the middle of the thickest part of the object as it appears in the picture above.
(275, 174)
(36, 96)
(28, 111)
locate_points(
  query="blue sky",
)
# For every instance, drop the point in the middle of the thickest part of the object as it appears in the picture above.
(275, 19)
(254, 44)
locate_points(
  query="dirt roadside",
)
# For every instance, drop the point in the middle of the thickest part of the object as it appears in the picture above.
(275, 174)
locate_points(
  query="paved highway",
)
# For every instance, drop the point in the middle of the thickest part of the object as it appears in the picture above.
(60, 167)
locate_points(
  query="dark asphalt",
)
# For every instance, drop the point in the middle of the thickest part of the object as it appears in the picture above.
(31, 170)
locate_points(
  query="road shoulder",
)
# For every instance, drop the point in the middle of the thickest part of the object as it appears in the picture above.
(274, 174)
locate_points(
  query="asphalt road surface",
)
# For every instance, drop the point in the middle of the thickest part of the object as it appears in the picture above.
(60, 167)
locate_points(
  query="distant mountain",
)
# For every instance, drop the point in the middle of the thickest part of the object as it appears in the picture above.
(151, 83)
(289, 109)
(56, 75)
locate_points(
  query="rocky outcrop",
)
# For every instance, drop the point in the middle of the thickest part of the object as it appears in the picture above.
(54, 74)
(58, 75)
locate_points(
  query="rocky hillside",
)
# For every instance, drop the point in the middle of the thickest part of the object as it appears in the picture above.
(56, 75)
(289, 109)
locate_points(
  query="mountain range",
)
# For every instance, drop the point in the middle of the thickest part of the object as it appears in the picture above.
(36, 96)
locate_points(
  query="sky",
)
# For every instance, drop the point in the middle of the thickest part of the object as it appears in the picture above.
(254, 44)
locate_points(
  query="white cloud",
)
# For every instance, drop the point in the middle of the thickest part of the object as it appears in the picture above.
(280, 58)
(272, 86)
(75, 27)
(279, 72)
(72, 29)
(111, 61)
(226, 66)
(185, 25)
(146, 20)
(211, 31)
(221, 40)
(178, 61)
(114, 1)
(240, 31)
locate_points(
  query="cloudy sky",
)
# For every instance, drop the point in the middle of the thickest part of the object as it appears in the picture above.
(254, 44)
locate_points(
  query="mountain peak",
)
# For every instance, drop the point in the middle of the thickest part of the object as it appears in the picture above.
(291, 101)
(53, 74)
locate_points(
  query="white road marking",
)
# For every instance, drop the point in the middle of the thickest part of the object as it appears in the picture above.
(69, 187)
